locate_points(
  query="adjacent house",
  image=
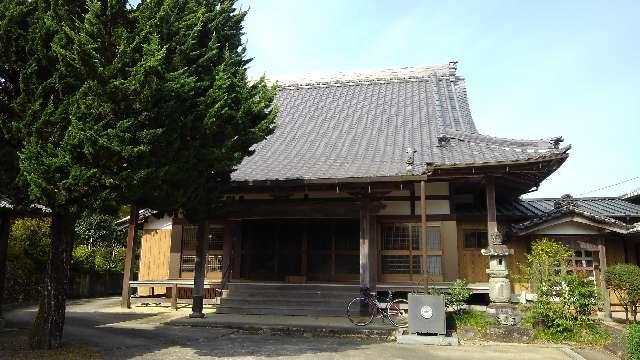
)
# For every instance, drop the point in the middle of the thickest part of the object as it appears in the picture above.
(379, 180)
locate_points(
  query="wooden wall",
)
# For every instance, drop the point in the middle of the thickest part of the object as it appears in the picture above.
(472, 265)
(154, 258)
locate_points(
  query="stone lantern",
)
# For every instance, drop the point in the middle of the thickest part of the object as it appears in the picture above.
(499, 284)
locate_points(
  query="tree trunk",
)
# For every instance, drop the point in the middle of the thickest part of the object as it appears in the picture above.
(5, 226)
(131, 234)
(200, 270)
(49, 322)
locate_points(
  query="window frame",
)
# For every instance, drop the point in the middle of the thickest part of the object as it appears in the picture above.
(423, 252)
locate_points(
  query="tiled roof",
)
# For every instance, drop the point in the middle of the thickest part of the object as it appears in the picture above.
(632, 194)
(361, 124)
(600, 206)
(597, 210)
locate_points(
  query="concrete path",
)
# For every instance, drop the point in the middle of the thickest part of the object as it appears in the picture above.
(141, 334)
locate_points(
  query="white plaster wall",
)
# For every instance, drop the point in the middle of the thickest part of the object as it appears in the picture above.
(434, 207)
(154, 223)
(569, 228)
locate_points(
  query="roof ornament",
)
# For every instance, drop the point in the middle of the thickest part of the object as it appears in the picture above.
(565, 200)
(443, 140)
(555, 142)
(411, 158)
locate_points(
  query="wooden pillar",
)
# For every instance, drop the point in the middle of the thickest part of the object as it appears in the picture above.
(236, 234)
(364, 244)
(125, 301)
(200, 270)
(227, 252)
(492, 224)
(174, 296)
(373, 254)
(412, 200)
(602, 255)
(305, 248)
(423, 227)
(175, 251)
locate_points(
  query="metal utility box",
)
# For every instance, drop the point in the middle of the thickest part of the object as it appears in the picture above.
(427, 314)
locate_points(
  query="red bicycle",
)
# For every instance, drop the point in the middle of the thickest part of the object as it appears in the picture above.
(362, 309)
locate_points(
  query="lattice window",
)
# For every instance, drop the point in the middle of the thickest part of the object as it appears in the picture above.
(395, 237)
(216, 237)
(189, 237)
(400, 259)
(188, 263)
(475, 239)
(214, 263)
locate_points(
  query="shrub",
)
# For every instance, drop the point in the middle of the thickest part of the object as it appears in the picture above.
(547, 260)
(566, 302)
(27, 255)
(474, 319)
(624, 281)
(457, 295)
(632, 342)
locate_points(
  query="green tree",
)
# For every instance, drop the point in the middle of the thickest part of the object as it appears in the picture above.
(196, 108)
(14, 25)
(624, 281)
(44, 124)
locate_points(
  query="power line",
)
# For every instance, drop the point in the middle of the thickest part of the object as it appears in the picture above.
(610, 186)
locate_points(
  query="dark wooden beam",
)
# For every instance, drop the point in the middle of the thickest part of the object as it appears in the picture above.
(490, 187)
(364, 244)
(175, 251)
(423, 226)
(131, 233)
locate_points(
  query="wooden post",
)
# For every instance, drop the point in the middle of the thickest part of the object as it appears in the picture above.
(423, 228)
(200, 270)
(492, 224)
(174, 296)
(133, 221)
(236, 236)
(304, 252)
(364, 244)
(227, 253)
(175, 251)
(602, 255)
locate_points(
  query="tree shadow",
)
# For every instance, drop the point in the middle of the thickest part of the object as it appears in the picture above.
(126, 335)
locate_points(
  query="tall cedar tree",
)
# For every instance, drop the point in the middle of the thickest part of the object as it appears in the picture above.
(210, 113)
(15, 22)
(167, 108)
(44, 125)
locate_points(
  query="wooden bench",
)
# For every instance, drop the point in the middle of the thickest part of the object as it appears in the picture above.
(174, 285)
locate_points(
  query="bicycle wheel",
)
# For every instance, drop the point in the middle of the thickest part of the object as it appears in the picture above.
(398, 312)
(361, 311)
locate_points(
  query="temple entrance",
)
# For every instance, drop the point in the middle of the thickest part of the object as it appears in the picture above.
(300, 250)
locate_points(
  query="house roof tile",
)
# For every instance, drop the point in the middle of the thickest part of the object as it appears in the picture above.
(361, 124)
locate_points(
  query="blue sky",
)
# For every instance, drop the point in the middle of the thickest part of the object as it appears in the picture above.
(534, 69)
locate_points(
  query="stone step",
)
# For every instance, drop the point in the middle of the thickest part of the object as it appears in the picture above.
(300, 295)
(293, 287)
(287, 302)
(299, 310)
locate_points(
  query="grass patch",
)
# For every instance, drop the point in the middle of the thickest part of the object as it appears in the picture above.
(474, 319)
(591, 334)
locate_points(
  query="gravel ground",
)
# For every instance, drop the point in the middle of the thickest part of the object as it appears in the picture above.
(140, 334)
